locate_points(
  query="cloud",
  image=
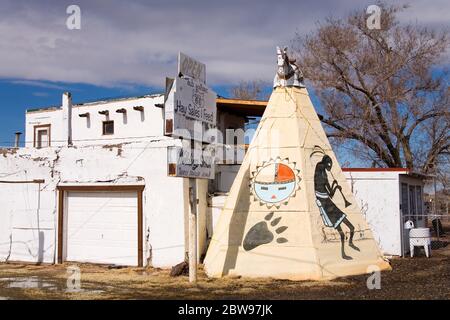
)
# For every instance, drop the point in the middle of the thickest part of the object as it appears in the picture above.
(39, 84)
(136, 42)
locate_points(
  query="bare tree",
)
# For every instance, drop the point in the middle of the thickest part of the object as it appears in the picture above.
(383, 92)
(249, 90)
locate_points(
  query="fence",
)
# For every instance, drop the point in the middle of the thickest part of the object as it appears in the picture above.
(439, 225)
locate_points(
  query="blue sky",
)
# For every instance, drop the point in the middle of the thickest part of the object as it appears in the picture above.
(127, 48)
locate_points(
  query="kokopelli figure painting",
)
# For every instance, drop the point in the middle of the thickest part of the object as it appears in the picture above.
(288, 72)
(332, 216)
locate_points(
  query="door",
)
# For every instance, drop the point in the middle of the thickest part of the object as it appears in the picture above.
(102, 227)
(405, 217)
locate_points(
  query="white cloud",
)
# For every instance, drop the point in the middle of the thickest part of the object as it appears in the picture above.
(39, 84)
(126, 42)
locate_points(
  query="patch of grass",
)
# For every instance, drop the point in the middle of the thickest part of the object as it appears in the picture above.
(417, 278)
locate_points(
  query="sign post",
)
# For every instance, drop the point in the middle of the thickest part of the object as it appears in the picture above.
(190, 110)
(193, 230)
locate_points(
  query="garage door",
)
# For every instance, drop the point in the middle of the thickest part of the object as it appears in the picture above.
(102, 227)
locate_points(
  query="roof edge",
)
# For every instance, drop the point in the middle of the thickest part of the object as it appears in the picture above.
(375, 170)
(89, 103)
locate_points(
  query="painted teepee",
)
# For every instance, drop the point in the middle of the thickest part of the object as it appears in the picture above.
(290, 213)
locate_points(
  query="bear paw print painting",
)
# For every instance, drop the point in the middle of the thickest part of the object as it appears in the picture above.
(275, 182)
(264, 232)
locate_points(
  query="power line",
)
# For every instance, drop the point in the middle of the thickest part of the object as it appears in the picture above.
(94, 139)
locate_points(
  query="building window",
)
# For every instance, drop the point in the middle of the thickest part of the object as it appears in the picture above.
(108, 127)
(42, 136)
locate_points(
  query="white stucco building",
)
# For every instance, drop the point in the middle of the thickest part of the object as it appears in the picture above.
(91, 185)
(98, 122)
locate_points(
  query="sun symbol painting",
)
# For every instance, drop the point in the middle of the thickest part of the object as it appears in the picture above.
(275, 182)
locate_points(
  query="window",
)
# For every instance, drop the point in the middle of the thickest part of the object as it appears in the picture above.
(42, 136)
(108, 127)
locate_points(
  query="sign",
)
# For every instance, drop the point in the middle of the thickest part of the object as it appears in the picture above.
(190, 110)
(190, 113)
(189, 161)
(191, 68)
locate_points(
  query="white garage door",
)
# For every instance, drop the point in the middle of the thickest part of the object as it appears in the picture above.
(102, 227)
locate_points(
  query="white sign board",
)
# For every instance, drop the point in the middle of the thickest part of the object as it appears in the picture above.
(190, 110)
(191, 161)
(191, 68)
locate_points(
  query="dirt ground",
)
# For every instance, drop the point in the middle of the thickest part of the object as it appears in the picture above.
(417, 278)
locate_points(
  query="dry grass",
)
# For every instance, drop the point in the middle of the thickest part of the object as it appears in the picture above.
(418, 278)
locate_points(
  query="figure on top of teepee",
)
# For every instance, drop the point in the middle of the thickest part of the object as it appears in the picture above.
(283, 218)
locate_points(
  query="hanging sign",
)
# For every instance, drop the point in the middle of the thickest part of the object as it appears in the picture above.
(191, 68)
(190, 113)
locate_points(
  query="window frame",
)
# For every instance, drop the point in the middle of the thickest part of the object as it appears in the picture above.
(42, 127)
(104, 123)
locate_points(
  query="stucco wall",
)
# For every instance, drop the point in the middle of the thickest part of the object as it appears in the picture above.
(88, 131)
(28, 212)
(131, 124)
(378, 196)
(52, 117)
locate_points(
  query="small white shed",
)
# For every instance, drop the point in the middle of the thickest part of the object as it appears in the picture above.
(389, 197)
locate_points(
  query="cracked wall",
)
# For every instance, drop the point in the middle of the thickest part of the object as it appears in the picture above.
(28, 211)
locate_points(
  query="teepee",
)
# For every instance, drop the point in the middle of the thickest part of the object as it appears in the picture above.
(290, 213)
